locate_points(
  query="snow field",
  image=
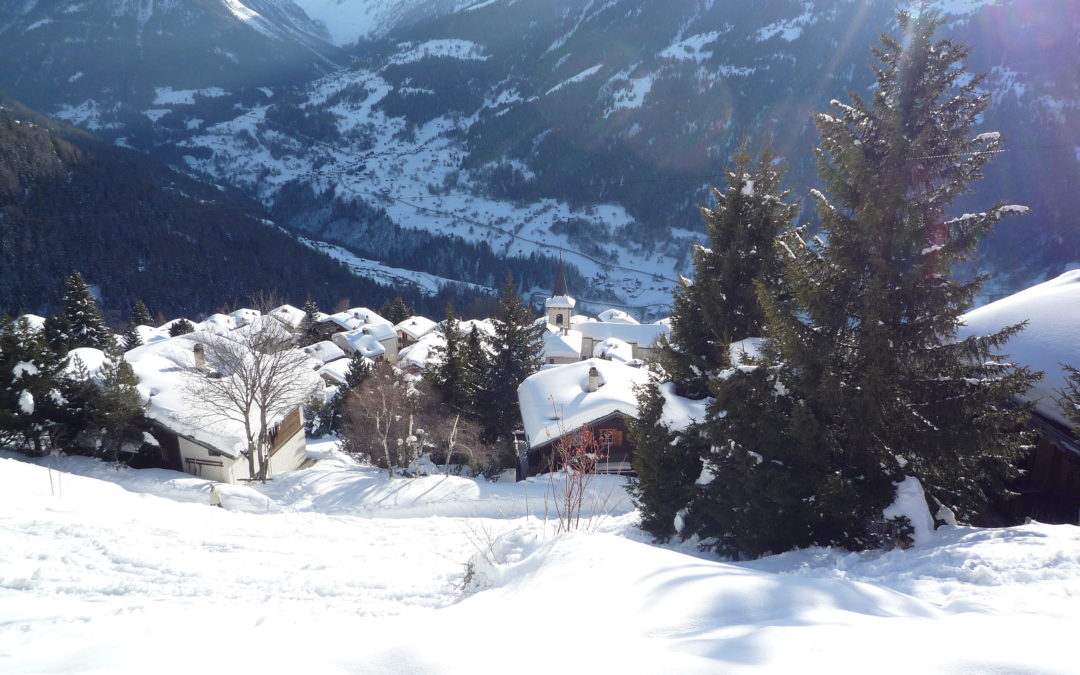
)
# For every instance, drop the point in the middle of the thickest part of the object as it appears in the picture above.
(338, 569)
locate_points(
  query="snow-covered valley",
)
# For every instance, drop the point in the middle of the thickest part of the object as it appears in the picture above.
(339, 569)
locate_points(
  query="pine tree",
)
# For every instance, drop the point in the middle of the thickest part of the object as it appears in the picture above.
(130, 339)
(866, 380)
(1070, 395)
(516, 350)
(30, 378)
(720, 304)
(181, 327)
(449, 375)
(477, 363)
(395, 311)
(116, 407)
(87, 327)
(666, 465)
(311, 330)
(140, 315)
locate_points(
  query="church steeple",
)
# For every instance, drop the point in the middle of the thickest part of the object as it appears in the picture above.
(560, 281)
(560, 304)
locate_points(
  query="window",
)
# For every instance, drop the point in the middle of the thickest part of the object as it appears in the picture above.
(558, 319)
(610, 437)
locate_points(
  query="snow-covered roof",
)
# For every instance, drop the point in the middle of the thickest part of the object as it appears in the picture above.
(167, 326)
(560, 302)
(338, 370)
(483, 326)
(359, 341)
(33, 322)
(557, 345)
(643, 335)
(581, 318)
(325, 351)
(416, 327)
(288, 315)
(616, 316)
(163, 369)
(245, 315)
(421, 355)
(614, 349)
(351, 319)
(1052, 336)
(91, 358)
(379, 331)
(556, 401)
(218, 323)
(148, 334)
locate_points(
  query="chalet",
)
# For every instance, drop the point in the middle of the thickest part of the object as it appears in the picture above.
(1049, 489)
(412, 329)
(556, 403)
(289, 316)
(188, 438)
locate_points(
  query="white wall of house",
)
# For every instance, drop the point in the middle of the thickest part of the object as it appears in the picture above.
(197, 460)
(289, 456)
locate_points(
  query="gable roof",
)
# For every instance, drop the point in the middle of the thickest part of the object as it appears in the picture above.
(416, 327)
(557, 401)
(643, 335)
(1052, 336)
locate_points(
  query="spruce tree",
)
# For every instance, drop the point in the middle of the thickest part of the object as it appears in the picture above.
(140, 315)
(1070, 396)
(666, 465)
(395, 311)
(476, 360)
(864, 380)
(449, 374)
(130, 339)
(87, 327)
(516, 353)
(720, 304)
(311, 330)
(116, 407)
(31, 373)
(181, 327)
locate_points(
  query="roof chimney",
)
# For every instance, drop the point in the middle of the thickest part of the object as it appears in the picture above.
(199, 351)
(594, 379)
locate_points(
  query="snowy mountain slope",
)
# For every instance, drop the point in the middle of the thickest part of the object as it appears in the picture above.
(111, 54)
(583, 129)
(98, 578)
(348, 21)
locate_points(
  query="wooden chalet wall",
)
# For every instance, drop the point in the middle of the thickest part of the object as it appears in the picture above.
(613, 427)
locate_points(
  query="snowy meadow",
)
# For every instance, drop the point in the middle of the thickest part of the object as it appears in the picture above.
(339, 569)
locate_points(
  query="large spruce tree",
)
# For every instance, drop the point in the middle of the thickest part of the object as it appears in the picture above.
(719, 305)
(867, 381)
(449, 375)
(81, 313)
(516, 350)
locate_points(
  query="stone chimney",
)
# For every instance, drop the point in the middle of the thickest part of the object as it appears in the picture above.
(594, 380)
(199, 351)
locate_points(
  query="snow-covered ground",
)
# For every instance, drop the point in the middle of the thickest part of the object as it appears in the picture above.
(339, 569)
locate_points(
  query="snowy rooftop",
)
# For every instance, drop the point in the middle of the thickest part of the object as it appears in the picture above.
(556, 401)
(218, 323)
(1052, 336)
(33, 321)
(560, 302)
(352, 319)
(338, 370)
(163, 369)
(288, 315)
(644, 335)
(92, 359)
(245, 315)
(614, 349)
(559, 345)
(359, 341)
(616, 316)
(416, 327)
(422, 354)
(325, 351)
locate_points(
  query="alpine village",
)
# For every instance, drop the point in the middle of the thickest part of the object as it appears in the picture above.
(533, 336)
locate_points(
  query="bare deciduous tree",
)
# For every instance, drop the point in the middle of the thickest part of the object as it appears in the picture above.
(379, 420)
(254, 376)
